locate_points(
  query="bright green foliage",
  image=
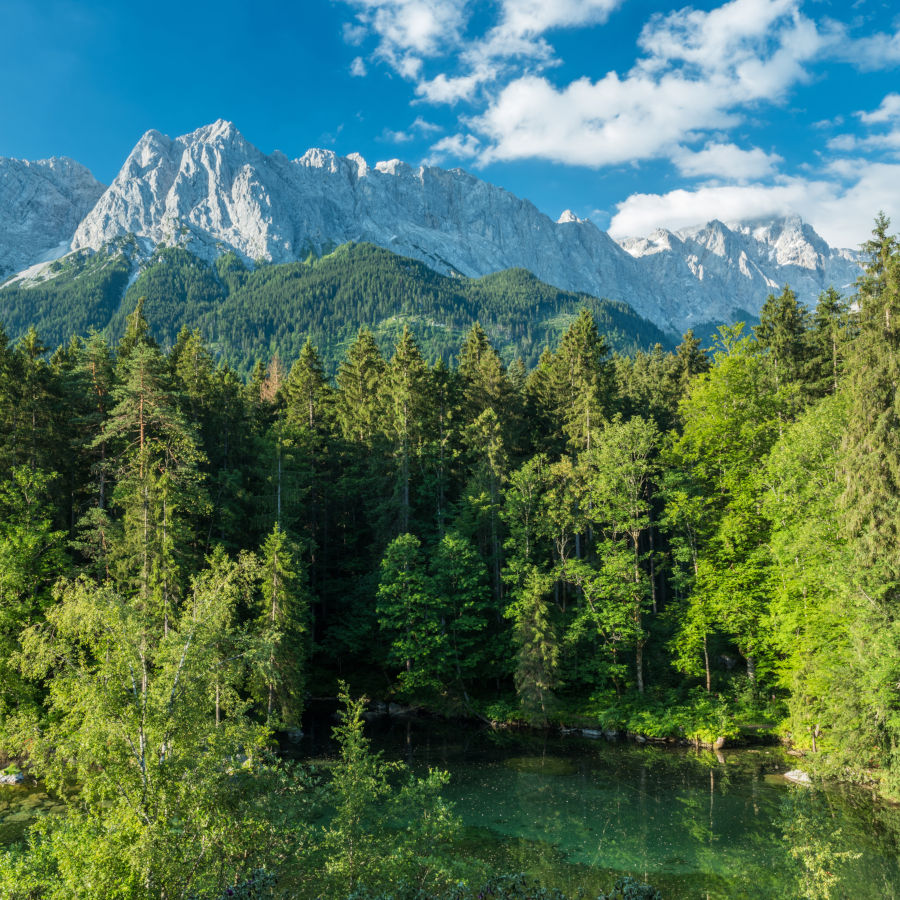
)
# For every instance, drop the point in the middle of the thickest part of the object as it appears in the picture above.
(816, 846)
(871, 451)
(620, 469)
(365, 845)
(731, 420)
(164, 808)
(411, 618)
(32, 557)
(812, 608)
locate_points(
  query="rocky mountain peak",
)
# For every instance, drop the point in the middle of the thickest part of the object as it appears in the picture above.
(212, 190)
(569, 217)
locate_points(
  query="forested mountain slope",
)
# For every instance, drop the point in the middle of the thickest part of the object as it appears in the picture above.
(247, 314)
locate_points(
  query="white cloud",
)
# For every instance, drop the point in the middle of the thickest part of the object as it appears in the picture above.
(876, 51)
(887, 112)
(354, 33)
(419, 127)
(537, 16)
(609, 122)
(358, 68)
(458, 146)
(709, 40)
(396, 137)
(842, 211)
(410, 30)
(442, 89)
(425, 127)
(726, 161)
(701, 69)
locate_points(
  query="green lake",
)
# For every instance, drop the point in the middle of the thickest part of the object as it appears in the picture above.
(578, 812)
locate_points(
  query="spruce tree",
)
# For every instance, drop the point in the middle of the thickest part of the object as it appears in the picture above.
(159, 490)
(284, 627)
(871, 451)
(407, 385)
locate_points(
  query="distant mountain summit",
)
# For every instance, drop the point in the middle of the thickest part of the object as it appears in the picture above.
(735, 266)
(211, 191)
(41, 204)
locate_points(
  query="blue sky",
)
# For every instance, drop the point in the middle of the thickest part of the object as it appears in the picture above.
(632, 113)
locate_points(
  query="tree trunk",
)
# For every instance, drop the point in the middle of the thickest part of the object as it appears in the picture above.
(706, 664)
(639, 665)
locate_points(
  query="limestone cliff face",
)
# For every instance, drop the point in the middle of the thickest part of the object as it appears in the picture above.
(41, 205)
(716, 268)
(212, 191)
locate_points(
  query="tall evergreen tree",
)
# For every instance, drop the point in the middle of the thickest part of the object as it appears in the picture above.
(284, 625)
(156, 462)
(407, 379)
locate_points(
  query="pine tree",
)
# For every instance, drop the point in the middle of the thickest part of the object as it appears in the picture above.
(871, 452)
(361, 381)
(306, 392)
(782, 334)
(828, 339)
(407, 379)
(157, 465)
(485, 385)
(284, 625)
(584, 381)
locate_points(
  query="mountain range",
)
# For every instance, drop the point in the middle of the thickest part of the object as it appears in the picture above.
(211, 192)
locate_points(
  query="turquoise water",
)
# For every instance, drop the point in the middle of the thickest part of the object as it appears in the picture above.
(578, 812)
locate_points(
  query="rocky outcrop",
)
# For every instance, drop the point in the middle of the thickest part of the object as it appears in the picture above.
(717, 271)
(12, 778)
(798, 776)
(41, 205)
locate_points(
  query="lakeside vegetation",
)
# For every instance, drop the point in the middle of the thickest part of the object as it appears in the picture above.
(671, 543)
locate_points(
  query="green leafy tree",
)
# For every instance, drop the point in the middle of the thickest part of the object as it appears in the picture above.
(164, 807)
(361, 848)
(411, 618)
(459, 584)
(32, 557)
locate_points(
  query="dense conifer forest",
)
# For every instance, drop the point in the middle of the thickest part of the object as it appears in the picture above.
(675, 543)
(247, 313)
